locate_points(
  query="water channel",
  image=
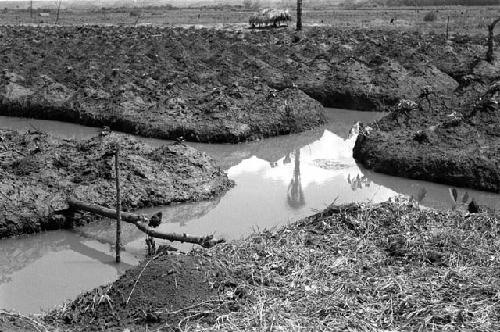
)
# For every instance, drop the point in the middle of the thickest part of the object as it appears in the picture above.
(278, 180)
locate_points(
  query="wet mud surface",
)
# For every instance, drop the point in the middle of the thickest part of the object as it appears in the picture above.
(438, 138)
(162, 83)
(220, 86)
(39, 173)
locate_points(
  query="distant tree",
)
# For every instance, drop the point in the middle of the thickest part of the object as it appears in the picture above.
(436, 2)
(299, 15)
(58, 3)
(490, 54)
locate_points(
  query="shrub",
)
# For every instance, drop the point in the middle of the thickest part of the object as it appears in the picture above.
(430, 16)
(135, 13)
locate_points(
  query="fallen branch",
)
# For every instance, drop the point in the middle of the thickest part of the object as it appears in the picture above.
(141, 222)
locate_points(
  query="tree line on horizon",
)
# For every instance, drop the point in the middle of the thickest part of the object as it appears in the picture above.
(419, 3)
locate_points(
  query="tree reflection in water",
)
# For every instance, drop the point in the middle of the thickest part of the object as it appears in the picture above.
(295, 193)
(358, 182)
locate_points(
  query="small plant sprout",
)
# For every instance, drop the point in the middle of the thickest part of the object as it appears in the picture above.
(466, 200)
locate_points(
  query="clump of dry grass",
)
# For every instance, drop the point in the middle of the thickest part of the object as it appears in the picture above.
(360, 267)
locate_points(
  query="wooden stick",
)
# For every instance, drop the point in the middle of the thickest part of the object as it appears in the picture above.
(141, 222)
(490, 55)
(447, 28)
(118, 204)
(299, 15)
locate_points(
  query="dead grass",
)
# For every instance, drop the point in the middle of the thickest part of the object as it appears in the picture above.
(362, 268)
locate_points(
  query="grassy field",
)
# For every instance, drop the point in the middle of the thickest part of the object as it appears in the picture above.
(461, 19)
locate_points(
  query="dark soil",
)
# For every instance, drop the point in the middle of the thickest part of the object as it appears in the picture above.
(219, 86)
(162, 83)
(158, 292)
(38, 173)
(355, 267)
(447, 139)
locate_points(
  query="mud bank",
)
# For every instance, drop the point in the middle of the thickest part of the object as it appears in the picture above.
(38, 173)
(219, 86)
(334, 270)
(438, 138)
(162, 83)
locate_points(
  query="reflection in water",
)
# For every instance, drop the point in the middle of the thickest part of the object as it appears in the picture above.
(437, 196)
(314, 164)
(318, 170)
(295, 195)
(133, 239)
(358, 182)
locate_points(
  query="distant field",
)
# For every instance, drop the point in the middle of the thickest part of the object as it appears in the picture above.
(461, 19)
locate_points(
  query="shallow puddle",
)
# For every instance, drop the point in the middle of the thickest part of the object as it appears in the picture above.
(278, 180)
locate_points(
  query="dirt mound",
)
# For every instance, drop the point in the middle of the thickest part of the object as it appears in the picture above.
(440, 139)
(39, 172)
(159, 292)
(370, 69)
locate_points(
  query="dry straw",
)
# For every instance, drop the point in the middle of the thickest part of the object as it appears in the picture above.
(362, 268)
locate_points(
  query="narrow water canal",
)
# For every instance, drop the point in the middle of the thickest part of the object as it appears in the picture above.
(278, 180)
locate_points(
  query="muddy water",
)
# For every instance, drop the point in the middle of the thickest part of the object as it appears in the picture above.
(278, 180)
(37, 272)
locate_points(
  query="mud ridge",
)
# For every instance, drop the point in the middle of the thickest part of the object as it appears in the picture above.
(221, 86)
(39, 172)
(438, 138)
